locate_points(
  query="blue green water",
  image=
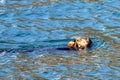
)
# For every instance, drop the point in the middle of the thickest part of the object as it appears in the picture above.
(32, 30)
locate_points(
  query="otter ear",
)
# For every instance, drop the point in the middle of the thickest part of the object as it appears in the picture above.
(87, 39)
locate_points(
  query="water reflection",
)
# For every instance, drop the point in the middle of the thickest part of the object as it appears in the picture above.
(32, 31)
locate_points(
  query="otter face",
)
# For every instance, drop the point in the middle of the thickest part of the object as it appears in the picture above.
(80, 43)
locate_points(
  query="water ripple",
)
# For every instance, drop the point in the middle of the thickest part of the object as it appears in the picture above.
(31, 31)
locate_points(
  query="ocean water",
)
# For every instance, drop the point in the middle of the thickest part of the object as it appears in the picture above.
(34, 33)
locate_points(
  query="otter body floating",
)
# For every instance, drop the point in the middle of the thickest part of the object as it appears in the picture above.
(77, 44)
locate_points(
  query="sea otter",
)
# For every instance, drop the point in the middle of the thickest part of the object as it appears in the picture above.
(80, 43)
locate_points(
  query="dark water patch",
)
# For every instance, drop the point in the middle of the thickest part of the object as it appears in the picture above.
(62, 40)
(64, 48)
(97, 43)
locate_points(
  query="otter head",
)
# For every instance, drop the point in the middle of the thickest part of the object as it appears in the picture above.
(80, 43)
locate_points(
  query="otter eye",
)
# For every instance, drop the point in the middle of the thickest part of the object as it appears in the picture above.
(77, 46)
(77, 40)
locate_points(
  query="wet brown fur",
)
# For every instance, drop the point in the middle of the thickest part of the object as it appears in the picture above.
(80, 43)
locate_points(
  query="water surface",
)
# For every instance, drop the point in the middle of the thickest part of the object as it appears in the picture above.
(31, 30)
